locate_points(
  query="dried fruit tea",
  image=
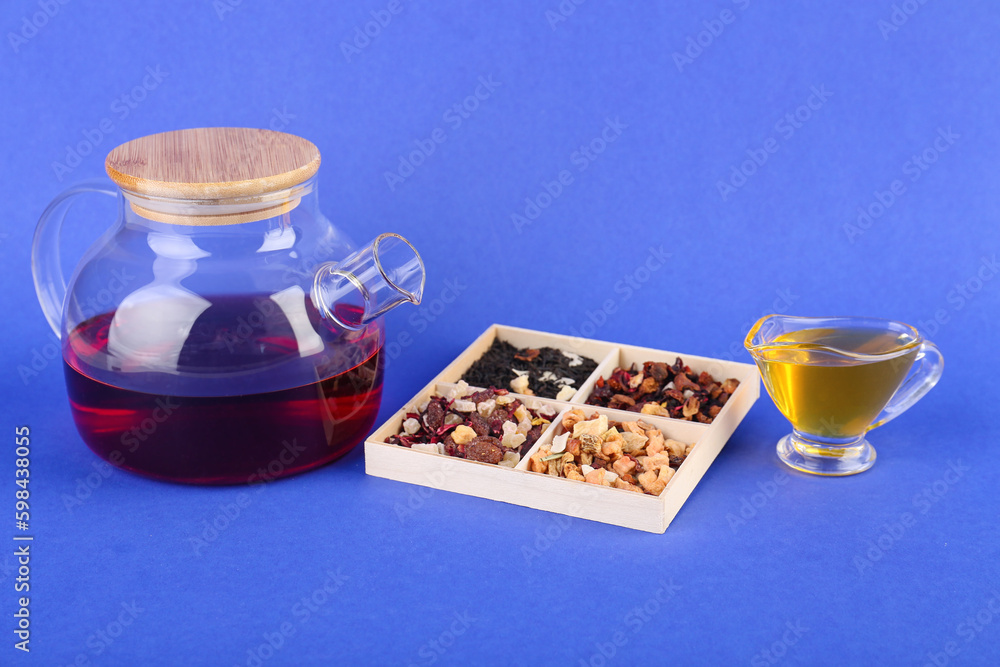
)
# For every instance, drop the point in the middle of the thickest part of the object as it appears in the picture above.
(666, 391)
(633, 456)
(491, 426)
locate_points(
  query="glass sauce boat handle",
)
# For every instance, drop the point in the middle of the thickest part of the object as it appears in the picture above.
(928, 366)
(46, 267)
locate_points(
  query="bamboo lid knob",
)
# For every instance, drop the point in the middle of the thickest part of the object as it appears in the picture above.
(212, 163)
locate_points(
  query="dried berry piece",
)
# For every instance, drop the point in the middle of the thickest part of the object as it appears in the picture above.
(531, 437)
(434, 417)
(479, 424)
(658, 370)
(486, 449)
(452, 448)
(481, 396)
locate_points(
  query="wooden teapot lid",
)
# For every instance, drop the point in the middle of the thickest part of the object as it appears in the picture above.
(209, 163)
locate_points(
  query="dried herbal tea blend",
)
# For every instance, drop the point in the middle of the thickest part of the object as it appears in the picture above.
(544, 372)
(630, 455)
(667, 391)
(489, 426)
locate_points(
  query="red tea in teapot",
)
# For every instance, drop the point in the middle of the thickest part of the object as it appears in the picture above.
(243, 436)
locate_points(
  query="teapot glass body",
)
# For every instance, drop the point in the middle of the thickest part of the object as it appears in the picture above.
(239, 349)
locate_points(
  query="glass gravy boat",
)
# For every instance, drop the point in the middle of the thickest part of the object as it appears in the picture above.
(835, 379)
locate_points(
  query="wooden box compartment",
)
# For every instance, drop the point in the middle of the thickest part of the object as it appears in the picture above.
(578, 499)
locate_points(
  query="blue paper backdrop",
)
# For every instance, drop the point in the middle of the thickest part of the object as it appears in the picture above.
(813, 158)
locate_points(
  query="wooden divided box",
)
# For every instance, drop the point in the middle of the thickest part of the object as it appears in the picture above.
(520, 486)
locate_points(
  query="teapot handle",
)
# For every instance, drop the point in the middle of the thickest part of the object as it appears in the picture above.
(50, 284)
(928, 366)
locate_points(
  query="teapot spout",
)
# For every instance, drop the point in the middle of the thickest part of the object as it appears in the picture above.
(385, 273)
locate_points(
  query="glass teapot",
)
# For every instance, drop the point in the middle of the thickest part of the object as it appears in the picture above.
(222, 331)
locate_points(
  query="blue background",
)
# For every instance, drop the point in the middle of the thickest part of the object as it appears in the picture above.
(819, 572)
